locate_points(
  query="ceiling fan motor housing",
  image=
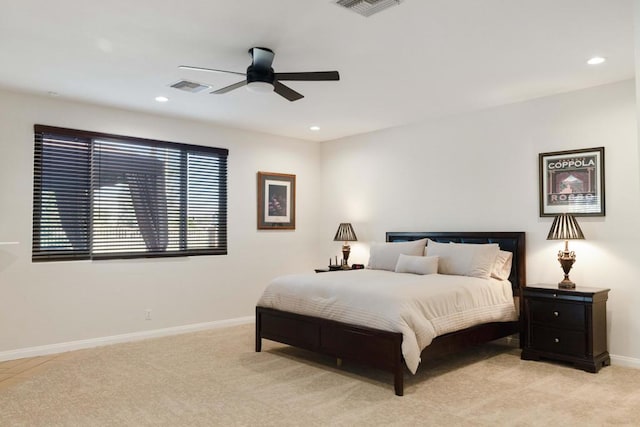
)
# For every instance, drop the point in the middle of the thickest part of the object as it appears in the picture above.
(257, 74)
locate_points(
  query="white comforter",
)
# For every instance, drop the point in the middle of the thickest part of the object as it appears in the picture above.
(420, 307)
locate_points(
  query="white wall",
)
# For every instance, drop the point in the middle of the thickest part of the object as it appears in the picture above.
(58, 302)
(469, 172)
(636, 39)
(479, 172)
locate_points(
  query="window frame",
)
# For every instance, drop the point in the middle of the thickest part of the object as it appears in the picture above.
(42, 255)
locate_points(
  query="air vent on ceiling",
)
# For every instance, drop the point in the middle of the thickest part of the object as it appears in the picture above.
(188, 86)
(367, 7)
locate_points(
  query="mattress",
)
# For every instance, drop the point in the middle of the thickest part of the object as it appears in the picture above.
(421, 307)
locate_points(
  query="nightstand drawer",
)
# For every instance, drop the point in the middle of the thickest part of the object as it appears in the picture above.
(558, 341)
(558, 314)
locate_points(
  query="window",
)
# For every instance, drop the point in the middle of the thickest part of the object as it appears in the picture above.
(99, 196)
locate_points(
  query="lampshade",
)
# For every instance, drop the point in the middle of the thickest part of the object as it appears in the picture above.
(565, 227)
(345, 233)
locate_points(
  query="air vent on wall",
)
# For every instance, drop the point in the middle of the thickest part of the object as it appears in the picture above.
(367, 7)
(188, 86)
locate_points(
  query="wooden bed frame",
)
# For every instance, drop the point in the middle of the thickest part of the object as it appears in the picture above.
(382, 349)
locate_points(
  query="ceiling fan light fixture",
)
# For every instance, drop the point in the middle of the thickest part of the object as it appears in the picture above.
(260, 87)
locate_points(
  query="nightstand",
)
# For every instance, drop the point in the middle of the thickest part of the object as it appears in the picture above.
(353, 267)
(568, 325)
(326, 270)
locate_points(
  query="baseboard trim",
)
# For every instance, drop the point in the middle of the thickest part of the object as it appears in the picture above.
(43, 350)
(115, 339)
(511, 340)
(629, 362)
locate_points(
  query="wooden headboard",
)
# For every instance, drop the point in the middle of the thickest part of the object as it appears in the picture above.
(512, 241)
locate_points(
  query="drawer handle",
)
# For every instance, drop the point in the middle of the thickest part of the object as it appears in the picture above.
(555, 313)
(556, 340)
(555, 295)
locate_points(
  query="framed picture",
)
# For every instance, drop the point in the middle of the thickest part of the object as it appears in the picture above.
(572, 182)
(276, 201)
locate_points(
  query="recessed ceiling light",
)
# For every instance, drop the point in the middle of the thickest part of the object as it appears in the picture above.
(105, 45)
(596, 60)
(162, 98)
(315, 128)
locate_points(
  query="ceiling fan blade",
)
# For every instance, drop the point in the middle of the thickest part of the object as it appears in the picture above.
(309, 76)
(210, 70)
(262, 57)
(230, 87)
(286, 91)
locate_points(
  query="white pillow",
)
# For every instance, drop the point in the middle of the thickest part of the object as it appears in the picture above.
(417, 264)
(464, 259)
(384, 256)
(502, 267)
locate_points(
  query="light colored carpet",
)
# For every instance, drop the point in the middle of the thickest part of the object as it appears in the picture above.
(215, 378)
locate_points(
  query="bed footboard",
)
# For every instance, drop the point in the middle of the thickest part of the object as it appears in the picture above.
(373, 347)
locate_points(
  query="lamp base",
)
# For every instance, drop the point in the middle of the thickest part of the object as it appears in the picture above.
(566, 260)
(566, 284)
(346, 250)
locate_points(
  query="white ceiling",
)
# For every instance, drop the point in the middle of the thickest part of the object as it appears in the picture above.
(421, 59)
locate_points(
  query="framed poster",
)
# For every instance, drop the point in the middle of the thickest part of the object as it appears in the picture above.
(276, 201)
(572, 182)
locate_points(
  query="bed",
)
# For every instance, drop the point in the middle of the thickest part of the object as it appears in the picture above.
(380, 347)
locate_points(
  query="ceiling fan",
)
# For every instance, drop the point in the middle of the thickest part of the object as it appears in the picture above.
(260, 76)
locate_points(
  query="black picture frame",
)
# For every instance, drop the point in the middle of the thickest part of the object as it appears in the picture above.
(276, 201)
(572, 182)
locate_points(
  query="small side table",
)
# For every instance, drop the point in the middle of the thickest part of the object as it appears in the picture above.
(353, 267)
(326, 270)
(568, 325)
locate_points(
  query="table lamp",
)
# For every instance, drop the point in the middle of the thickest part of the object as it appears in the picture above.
(565, 227)
(345, 234)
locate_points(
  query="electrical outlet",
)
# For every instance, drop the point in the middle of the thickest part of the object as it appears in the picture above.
(147, 314)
